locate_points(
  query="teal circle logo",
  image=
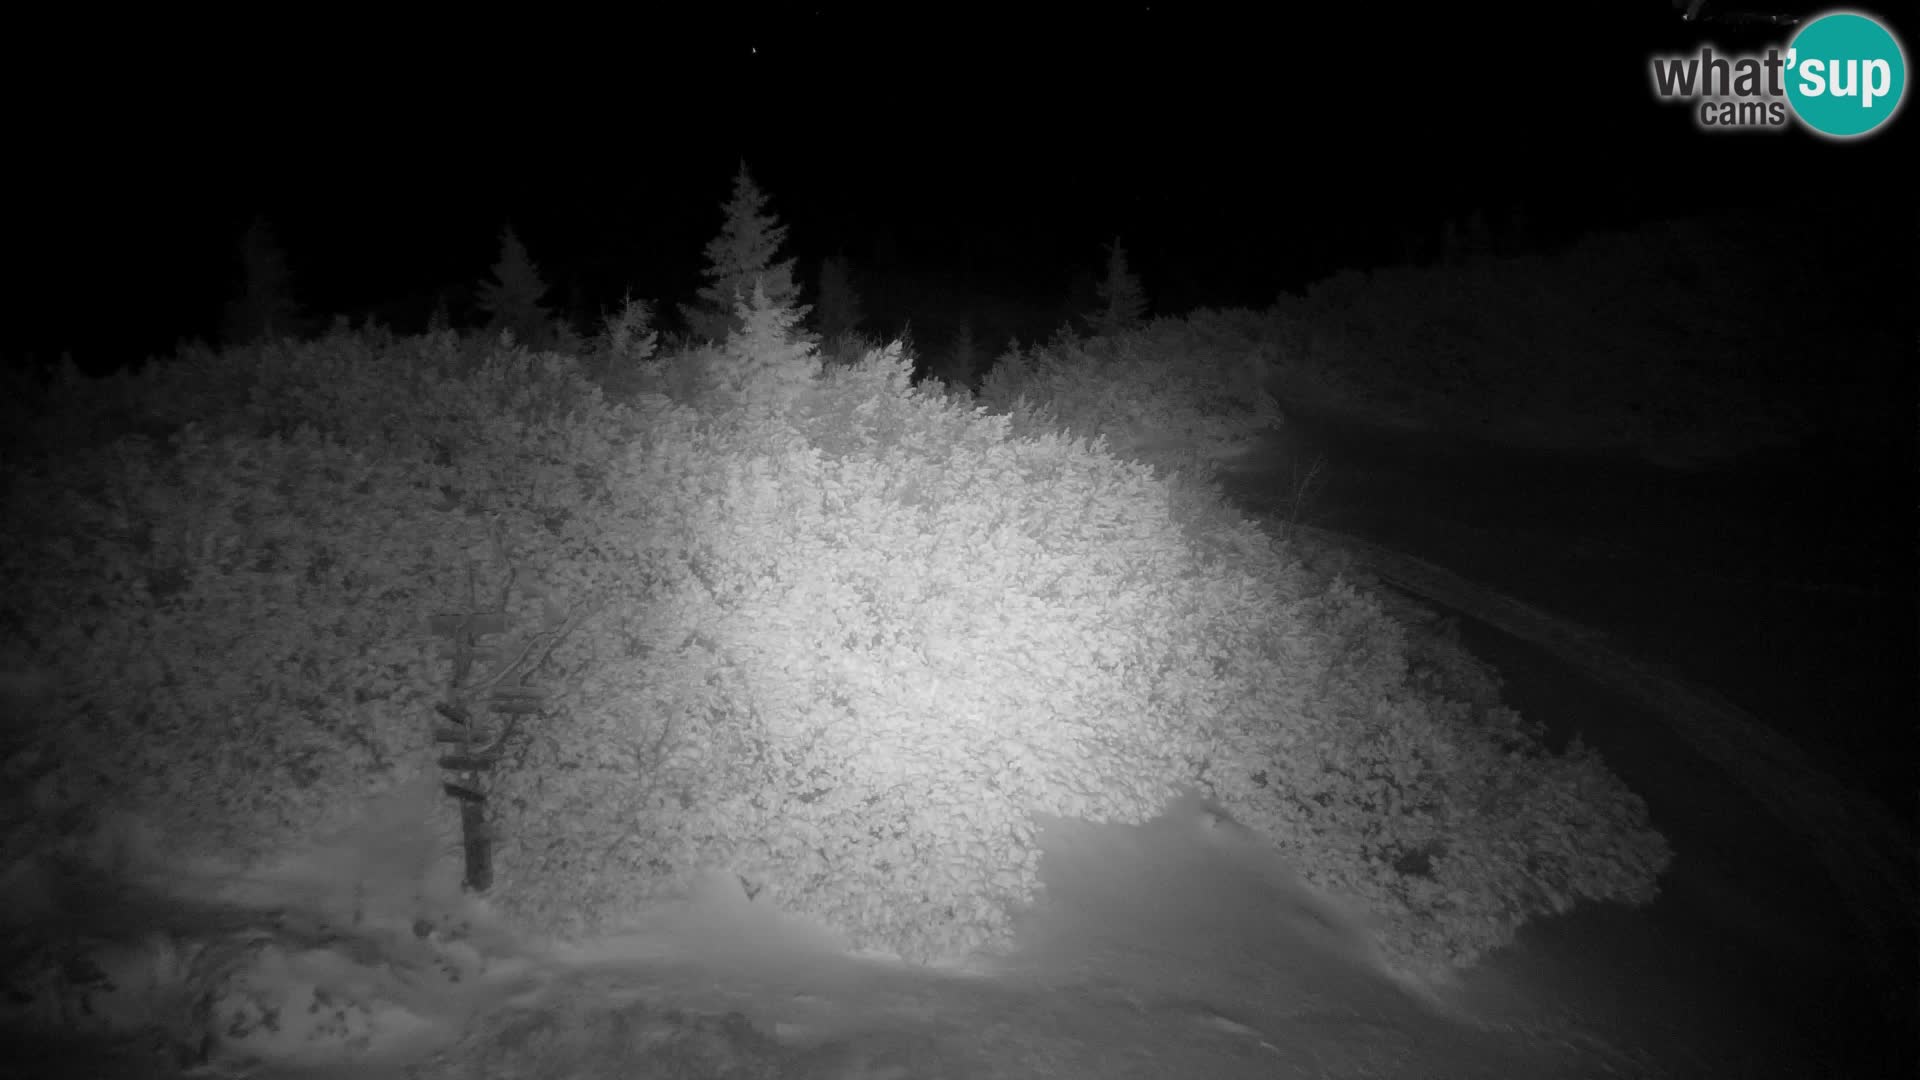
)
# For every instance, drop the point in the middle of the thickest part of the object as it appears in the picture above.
(1846, 74)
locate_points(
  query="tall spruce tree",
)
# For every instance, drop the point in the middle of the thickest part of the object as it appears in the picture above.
(512, 298)
(741, 257)
(1123, 302)
(626, 336)
(264, 306)
(766, 360)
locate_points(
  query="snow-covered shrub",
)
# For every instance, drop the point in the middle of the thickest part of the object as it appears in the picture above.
(232, 610)
(1448, 819)
(885, 631)
(843, 649)
(884, 635)
(1173, 395)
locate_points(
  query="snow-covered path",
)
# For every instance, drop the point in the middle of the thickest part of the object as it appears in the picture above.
(1172, 949)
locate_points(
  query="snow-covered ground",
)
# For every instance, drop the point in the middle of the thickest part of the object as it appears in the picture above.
(1175, 948)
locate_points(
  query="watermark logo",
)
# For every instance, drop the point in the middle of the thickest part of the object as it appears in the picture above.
(1841, 76)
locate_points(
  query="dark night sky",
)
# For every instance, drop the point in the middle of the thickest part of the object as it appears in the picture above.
(1236, 155)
